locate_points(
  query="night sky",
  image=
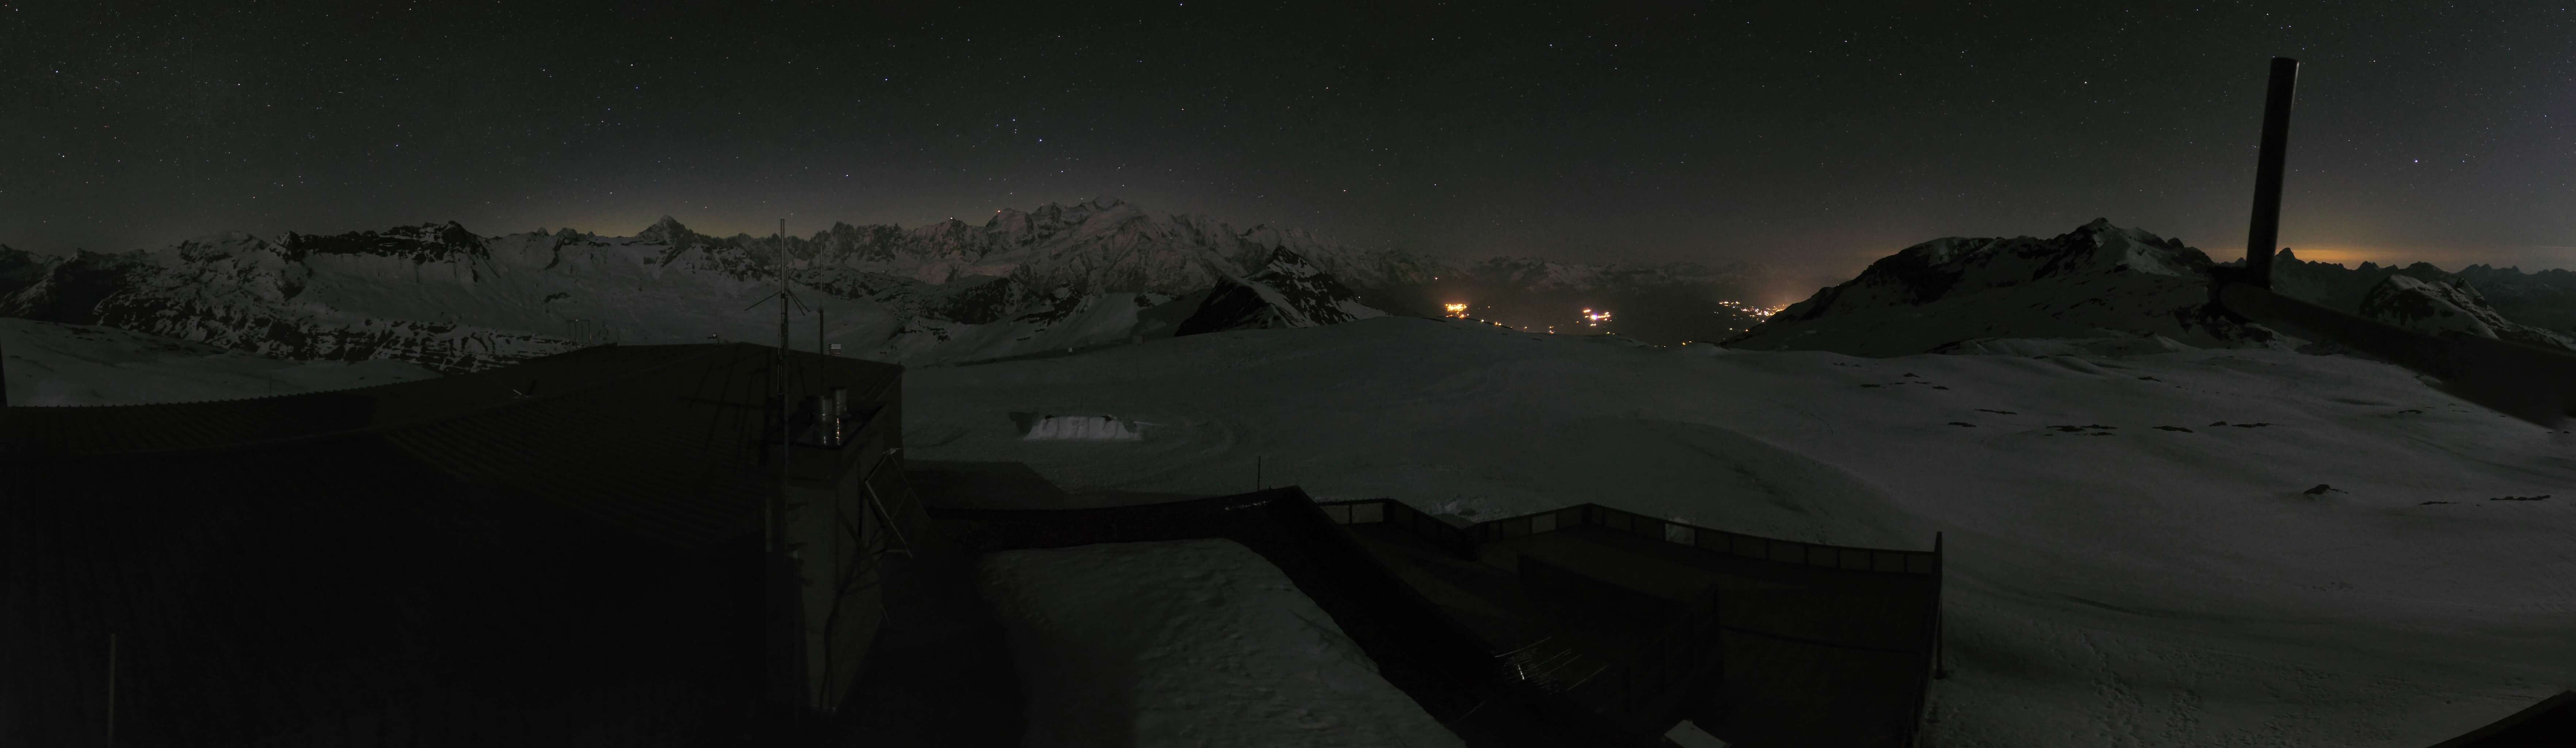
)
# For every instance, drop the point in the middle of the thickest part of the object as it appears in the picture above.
(1811, 135)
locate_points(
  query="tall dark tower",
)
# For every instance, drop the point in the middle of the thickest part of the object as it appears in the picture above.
(2262, 238)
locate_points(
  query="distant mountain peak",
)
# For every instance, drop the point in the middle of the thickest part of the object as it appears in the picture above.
(1286, 264)
(1288, 291)
(668, 230)
(2098, 277)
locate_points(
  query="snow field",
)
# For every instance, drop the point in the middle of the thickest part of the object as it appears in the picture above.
(2122, 570)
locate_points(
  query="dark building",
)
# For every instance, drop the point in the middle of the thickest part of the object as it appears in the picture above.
(630, 545)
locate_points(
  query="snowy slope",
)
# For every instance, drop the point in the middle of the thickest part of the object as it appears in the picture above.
(1189, 643)
(2124, 570)
(52, 364)
(2099, 280)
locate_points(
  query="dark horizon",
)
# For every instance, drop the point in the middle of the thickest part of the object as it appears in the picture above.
(1812, 139)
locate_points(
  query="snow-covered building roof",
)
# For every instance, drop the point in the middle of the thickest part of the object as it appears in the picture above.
(571, 540)
(1586, 625)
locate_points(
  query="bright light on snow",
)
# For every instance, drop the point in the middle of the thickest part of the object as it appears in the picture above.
(1084, 428)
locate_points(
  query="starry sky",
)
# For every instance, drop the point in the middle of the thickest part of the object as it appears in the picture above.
(1812, 136)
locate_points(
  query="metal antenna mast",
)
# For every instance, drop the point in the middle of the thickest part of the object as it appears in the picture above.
(786, 414)
(782, 306)
(778, 387)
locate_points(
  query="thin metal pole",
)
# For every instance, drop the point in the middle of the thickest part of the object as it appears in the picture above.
(1940, 629)
(786, 413)
(772, 529)
(111, 689)
(782, 302)
(786, 451)
(882, 512)
(2262, 239)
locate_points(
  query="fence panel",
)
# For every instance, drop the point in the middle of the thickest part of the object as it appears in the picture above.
(1465, 539)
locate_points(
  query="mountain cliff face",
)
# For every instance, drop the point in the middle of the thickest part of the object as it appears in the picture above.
(1288, 292)
(2098, 281)
(2450, 307)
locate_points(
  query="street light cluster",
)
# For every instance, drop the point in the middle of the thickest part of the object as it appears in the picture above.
(1757, 311)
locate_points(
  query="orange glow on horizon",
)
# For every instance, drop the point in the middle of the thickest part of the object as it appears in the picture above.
(2529, 258)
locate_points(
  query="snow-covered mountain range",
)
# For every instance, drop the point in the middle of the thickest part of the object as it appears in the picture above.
(1098, 272)
(449, 298)
(2109, 287)
(2544, 301)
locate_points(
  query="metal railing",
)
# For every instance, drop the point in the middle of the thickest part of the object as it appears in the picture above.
(1466, 539)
